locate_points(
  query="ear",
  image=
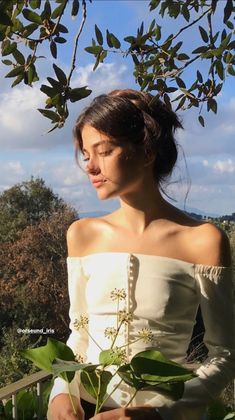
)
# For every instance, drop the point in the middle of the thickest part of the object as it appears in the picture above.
(149, 159)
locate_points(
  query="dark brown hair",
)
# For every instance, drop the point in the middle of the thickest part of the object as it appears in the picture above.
(136, 118)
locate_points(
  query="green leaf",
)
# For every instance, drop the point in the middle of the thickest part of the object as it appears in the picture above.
(157, 33)
(31, 73)
(112, 40)
(62, 28)
(51, 92)
(44, 356)
(185, 12)
(97, 49)
(231, 45)
(182, 57)
(59, 39)
(181, 103)
(15, 72)
(152, 25)
(126, 374)
(199, 77)
(109, 357)
(79, 93)
(46, 14)
(61, 76)
(5, 19)
(99, 35)
(35, 4)
(75, 8)
(54, 127)
(18, 80)
(220, 69)
(8, 47)
(32, 16)
(54, 117)
(226, 41)
(204, 34)
(180, 82)
(55, 84)
(60, 366)
(201, 120)
(153, 366)
(29, 29)
(18, 56)
(109, 39)
(130, 39)
(89, 381)
(154, 4)
(228, 10)
(231, 70)
(56, 12)
(173, 391)
(229, 24)
(7, 62)
(212, 104)
(200, 50)
(53, 49)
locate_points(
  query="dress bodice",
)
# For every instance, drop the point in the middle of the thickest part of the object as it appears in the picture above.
(163, 294)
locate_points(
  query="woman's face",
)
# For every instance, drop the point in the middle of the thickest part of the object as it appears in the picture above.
(113, 169)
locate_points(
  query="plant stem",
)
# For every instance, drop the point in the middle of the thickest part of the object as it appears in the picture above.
(111, 393)
(93, 339)
(72, 403)
(118, 329)
(131, 399)
(97, 406)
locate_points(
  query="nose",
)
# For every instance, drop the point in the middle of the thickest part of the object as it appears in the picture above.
(92, 166)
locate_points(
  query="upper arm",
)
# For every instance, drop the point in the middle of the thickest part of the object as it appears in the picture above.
(212, 246)
(76, 237)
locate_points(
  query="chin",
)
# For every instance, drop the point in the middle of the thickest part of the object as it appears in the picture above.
(104, 195)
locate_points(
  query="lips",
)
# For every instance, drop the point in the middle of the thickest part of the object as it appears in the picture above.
(97, 182)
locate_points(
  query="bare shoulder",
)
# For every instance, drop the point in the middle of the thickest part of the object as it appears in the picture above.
(210, 245)
(81, 234)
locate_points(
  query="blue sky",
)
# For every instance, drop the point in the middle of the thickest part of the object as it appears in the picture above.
(26, 150)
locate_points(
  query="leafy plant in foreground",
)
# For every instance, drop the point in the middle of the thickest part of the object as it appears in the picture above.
(147, 370)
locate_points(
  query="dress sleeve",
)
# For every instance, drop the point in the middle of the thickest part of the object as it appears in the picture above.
(77, 340)
(215, 290)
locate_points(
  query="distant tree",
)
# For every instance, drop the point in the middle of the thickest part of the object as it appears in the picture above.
(33, 274)
(160, 61)
(25, 204)
(33, 277)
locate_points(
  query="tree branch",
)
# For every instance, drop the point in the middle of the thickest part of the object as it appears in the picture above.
(190, 24)
(73, 65)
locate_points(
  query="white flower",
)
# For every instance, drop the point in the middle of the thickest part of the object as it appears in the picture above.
(118, 294)
(146, 335)
(124, 316)
(82, 322)
(110, 332)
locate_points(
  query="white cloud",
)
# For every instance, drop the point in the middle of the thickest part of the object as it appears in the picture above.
(107, 77)
(11, 172)
(14, 106)
(222, 166)
(23, 127)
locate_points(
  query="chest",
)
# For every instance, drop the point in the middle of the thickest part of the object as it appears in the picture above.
(167, 242)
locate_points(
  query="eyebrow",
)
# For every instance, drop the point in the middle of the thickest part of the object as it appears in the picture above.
(94, 146)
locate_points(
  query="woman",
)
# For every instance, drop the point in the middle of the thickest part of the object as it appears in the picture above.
(167, 262)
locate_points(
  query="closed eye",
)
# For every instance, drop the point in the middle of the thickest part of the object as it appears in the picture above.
(105, 153)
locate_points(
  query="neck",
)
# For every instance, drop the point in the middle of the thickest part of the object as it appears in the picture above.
(137, 211)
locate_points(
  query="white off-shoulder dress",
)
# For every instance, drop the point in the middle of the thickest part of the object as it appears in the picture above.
(163, 294)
